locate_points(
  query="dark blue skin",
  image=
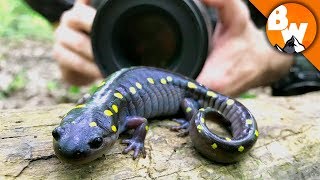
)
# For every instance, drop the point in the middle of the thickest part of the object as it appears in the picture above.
(131, 96)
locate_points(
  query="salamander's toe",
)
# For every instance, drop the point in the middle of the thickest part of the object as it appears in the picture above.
(183, 133)
(136, 146)
(182, 128)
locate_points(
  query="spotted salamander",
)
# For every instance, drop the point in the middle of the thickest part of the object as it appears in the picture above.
(127, 98)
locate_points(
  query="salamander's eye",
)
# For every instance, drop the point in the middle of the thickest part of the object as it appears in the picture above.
(96, 142)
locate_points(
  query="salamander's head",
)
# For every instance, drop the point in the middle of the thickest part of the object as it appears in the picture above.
(83, 137)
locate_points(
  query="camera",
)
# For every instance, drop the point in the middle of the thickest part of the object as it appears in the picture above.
(171, 34)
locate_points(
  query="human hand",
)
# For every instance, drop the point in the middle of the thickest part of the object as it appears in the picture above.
(72, 49)
(242, 57)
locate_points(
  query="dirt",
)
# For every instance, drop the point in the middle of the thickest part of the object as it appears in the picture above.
(30, 77)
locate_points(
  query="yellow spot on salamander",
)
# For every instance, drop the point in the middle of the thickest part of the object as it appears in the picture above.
(241, 148)
(108, 113)
(118, 95)
(114, 128)
(211, 94)
(228, 139)
(256, 132)
(248, 121)
(150, 80)
(115, 108)
(199, 127)
(230, 102)
(214, 146)
(201, 109)
(188, 109)
(147, 128)
(163, 81)
(202, 120)
(169, 78)
(132, 90)
(80, 106)
(139, 86)
(101, 84)
(192, 85)
(93, 124)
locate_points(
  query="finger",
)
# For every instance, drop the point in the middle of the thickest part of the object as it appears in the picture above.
(213, 74)
(75, 41)
(80, 17)
(231, 12)
(229, 78)
(225, 77)
(70, 60)
(220, 83)
(76, 78)
(83, 1)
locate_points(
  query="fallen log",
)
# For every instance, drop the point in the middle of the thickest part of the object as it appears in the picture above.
(288, 147)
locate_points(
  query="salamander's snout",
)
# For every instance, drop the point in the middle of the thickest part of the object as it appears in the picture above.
(77, 154)
(96, 143)
(80, 143)
(56, 133)
(69, 146)
(74, 155)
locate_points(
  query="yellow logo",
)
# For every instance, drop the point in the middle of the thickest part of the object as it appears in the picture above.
(291, 28)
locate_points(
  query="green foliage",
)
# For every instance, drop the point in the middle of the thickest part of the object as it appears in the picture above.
(19, 21)
(18, 82)
(52, 85)
(248, 96)
(2, 95)
(93, 89)
(74, 90)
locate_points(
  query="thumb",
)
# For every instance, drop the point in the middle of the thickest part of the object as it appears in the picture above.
(232, 13)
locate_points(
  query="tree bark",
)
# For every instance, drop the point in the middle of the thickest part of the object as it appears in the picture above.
(288, 147)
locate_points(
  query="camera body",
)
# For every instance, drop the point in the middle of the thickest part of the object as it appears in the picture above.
(171, 34)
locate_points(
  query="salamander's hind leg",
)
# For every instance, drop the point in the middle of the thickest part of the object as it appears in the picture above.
(189, 107)
(136, 143)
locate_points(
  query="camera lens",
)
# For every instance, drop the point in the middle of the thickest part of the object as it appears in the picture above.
(146, 35)
(172, 34)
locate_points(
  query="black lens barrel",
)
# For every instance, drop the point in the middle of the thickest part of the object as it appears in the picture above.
(172, 34)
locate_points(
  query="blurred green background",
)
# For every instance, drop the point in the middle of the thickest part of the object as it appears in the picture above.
(19, 21)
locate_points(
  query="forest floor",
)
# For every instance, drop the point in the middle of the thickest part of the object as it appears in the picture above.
(30, 77)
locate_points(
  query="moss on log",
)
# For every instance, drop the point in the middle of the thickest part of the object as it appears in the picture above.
(288, 147)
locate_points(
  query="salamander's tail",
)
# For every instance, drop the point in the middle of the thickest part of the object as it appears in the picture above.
(239, 121)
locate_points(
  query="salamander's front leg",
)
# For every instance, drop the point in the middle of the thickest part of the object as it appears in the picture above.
(189, 107)
(136, 143)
